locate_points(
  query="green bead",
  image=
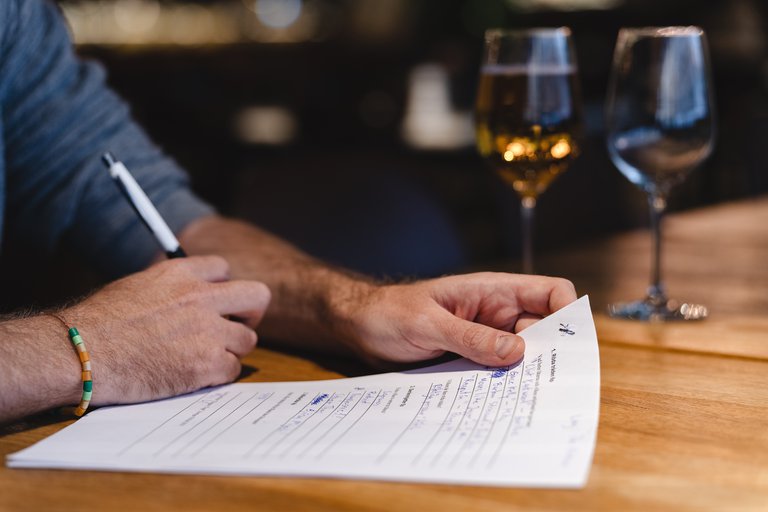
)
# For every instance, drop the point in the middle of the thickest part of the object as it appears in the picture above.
(88, 385)
(73, 332)
(87, 395)
(77, 340)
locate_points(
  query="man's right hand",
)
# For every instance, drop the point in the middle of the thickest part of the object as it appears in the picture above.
(154, 334)
(165, 331)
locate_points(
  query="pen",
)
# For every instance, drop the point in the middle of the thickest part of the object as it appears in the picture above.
(143, 206)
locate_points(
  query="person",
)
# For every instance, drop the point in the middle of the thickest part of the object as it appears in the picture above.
(180, 325)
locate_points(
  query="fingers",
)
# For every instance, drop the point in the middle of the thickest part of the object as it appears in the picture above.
(561, 294)
(208, 268)
(245, 299)
(238, 338)
(248, 300)
(478, 293)
(478, 310)
(526, 320)
(478, 342)
(213, 354)
(545, 295)
(226, 369)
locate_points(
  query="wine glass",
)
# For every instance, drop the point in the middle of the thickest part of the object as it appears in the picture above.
(528, 113)
(660, 126)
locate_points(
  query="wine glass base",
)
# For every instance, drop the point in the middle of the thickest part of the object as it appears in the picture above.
(654, 311)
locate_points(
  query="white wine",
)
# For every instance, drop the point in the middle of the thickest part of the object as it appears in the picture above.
(528, 123)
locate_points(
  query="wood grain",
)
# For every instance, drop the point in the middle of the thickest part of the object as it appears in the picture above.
(684, 408)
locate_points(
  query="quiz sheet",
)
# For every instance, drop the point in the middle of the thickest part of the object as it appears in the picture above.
(532, 424)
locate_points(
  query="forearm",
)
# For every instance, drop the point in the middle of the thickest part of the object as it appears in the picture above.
(38, 367)
(311, 301)
(474, 315)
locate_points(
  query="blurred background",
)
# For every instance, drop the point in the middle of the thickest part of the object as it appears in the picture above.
(345, 125)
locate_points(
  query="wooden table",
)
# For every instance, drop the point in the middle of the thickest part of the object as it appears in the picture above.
(684, 408)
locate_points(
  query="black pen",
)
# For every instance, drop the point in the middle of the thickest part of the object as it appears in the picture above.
(143, 206)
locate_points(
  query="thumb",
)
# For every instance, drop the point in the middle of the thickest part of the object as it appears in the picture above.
(480, 343)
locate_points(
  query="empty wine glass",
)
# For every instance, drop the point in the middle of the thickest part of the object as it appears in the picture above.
(660, 126)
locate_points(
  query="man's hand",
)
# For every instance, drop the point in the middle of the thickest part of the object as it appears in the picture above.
(472, 315)
(153, 334)
(314, 305)
(165, 331)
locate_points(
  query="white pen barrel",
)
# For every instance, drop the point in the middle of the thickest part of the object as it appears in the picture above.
(145, 207)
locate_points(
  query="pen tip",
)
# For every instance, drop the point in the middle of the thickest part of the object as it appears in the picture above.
(108, 159)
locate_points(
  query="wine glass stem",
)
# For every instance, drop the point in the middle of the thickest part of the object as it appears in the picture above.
(527, 207)
(658, 204)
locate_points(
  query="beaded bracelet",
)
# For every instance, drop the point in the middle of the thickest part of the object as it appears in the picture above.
(85, 363)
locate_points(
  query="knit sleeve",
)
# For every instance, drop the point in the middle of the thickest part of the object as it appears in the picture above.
(59, 117)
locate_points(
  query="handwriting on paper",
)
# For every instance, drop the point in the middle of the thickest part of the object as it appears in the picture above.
(532, 423)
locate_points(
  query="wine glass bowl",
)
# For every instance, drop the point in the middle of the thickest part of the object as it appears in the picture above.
(528, 113)
(660, 126)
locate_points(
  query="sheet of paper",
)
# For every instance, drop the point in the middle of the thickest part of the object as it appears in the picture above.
(532, 424)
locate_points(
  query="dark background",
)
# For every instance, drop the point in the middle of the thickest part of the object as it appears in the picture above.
(349, 189)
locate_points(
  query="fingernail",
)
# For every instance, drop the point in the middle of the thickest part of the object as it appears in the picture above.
(505, 345)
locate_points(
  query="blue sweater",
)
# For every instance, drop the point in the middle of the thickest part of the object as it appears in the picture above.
(57, 118)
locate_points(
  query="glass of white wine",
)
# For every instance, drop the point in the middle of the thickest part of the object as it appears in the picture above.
(660, 126)
(528, 113)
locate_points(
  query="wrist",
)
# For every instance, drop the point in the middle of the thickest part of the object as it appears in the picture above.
(346, 304)
(63, 364)
(39, 367)
(107, 388)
